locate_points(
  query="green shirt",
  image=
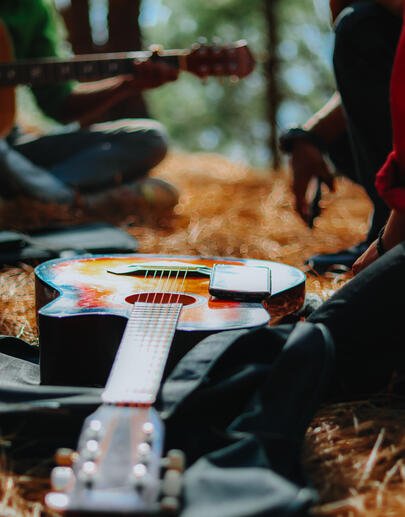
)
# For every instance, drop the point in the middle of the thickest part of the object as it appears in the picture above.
(35, 33)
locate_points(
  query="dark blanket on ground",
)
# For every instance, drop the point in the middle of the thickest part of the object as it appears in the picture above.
(238, 404)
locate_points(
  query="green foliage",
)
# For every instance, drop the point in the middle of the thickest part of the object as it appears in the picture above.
(231, 118)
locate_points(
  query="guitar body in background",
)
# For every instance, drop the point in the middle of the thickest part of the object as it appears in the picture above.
(83, 309)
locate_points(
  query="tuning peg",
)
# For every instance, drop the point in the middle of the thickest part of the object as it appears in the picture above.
(171, 484)
(62, 478)
(94, 429)
(148, 430)
(203, 71)
(169, 505)
(91, 450)
(218, 70)
(56, 501)
(175, 460)
(65, 457)
(139, 476)
(202, 41)
(143, 452)
(87, 473)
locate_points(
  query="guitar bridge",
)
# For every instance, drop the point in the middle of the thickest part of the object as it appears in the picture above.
(162, 268)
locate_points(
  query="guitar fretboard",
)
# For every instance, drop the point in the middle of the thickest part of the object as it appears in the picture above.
(83, 68)
(138, 366)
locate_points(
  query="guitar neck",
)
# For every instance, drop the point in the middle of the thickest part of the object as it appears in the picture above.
(82, 68)
(139, 363)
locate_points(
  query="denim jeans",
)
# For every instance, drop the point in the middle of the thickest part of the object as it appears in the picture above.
(85, 160)
(365, 44)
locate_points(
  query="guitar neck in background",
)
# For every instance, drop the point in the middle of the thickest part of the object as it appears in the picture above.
(201, 60)
(81, 68)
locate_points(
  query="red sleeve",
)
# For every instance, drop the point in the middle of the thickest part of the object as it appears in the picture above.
(390, 180)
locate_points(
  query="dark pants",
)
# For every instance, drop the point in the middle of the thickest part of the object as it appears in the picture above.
(54, 166)
(365, 320)
(365, 45)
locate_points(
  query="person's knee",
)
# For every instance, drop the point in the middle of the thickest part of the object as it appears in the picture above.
(143, 140)
(150, 135)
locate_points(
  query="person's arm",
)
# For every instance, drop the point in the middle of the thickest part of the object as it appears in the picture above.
(393, 234)
(89, 100)
(307, 161)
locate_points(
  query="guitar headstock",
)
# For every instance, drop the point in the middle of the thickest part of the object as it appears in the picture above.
(117, 467)
(234, 60)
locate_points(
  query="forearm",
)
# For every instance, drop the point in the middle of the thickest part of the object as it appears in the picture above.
(90, 100)
(394, 232)
(329, 122)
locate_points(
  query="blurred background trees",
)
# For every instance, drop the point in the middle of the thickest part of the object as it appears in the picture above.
(291, 41)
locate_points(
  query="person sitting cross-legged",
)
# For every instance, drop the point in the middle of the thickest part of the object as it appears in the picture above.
(91, 162)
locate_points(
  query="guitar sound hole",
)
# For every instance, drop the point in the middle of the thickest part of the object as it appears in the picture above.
(184, 299)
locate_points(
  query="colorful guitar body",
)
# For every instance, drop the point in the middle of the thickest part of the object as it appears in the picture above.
(83, 305)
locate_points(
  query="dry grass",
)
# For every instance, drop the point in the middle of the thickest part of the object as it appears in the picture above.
(353, 452)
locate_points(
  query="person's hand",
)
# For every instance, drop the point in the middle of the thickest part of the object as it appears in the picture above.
(152, 74)
(368, 257)
(307, 163)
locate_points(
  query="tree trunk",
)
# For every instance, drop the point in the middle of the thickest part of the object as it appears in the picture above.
(125, 35)
(78, 25)
(271, 69)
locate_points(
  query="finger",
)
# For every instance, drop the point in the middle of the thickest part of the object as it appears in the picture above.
(327, 178)
(302, 208)
(300, 188)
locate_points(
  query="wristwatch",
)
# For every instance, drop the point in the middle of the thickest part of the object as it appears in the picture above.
(288, 138)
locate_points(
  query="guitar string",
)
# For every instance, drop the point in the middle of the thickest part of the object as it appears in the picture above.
(152, 316)
(148, 326)
(134, 436)
(133, 327)
(159, 332)
(135, 439)
(153, 333)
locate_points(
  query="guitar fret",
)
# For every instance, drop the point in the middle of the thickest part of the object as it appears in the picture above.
(141, 357)
(53, 71)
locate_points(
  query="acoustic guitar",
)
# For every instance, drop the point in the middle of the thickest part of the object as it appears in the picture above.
(84, 307)
(234, 60)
